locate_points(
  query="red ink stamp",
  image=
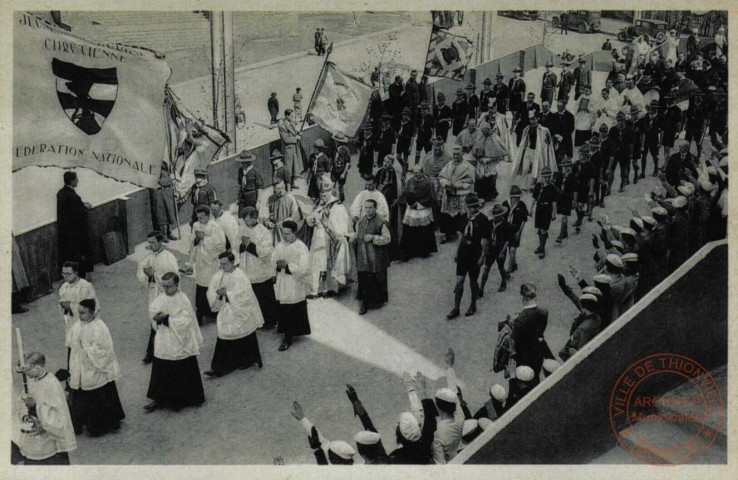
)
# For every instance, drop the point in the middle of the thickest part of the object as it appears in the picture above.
(669, 428)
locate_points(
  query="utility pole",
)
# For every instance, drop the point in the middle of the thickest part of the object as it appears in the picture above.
(222, 67)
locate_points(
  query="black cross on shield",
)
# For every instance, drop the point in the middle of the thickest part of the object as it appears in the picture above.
(86, 95)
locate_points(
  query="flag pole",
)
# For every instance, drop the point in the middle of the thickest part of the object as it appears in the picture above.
(167, 115)
(315, 89)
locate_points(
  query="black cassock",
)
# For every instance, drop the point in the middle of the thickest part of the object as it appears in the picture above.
(72, 229)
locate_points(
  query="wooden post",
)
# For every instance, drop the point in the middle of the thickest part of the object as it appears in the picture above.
(229, 87)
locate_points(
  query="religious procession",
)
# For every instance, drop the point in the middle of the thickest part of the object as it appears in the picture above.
(334, 256)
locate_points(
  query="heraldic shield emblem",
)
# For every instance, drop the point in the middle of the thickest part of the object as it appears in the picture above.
(86, 95)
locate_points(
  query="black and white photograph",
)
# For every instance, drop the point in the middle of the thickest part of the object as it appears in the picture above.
(300, 237)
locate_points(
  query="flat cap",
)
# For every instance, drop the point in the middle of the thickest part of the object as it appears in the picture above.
(628, 231)
(618, 245)
(602, 279)
(649, 221)
(636, 224)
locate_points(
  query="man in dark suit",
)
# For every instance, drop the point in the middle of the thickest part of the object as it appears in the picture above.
(683, 159)
(562, 130)
(72, 226)
(527, 332)
(522, 118)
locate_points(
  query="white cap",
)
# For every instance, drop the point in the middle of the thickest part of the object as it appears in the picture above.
(446, 395)
(679, 202)
(614, 260)
(707, 186)
(469, 427)
(485, 423)
(649, 220)
(342, 449)
(628, 231)
(524, 373)
(498, 392)
(366, 437)
(630, 257)
(592, 291)
(618, 244)
(724, 161)
(550, 365)
(602, 278)
(683, 190)
(409, 427)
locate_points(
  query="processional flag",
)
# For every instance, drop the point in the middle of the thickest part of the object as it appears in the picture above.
(340, 101)
(448, 55)
(78, 103)
(192, 145)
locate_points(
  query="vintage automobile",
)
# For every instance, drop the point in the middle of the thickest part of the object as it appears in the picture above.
(642, 26)
(582, 21)
(519, 14)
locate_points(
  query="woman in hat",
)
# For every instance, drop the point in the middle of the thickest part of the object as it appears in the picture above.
(442, 117)
(475, 233)
(495, 250)
(341, 164)
(460, 112)
(545, 196)
(517, 217)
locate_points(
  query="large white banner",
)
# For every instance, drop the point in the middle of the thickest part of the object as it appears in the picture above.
(81, 104)
(341, 101)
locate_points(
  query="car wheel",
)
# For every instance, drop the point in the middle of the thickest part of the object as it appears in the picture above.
(622, 37)
(555, 22)
(661, 37)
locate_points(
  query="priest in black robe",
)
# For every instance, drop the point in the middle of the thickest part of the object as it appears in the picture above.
(72, 225)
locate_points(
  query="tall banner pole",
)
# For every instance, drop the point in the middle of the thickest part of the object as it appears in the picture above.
(317, 84)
